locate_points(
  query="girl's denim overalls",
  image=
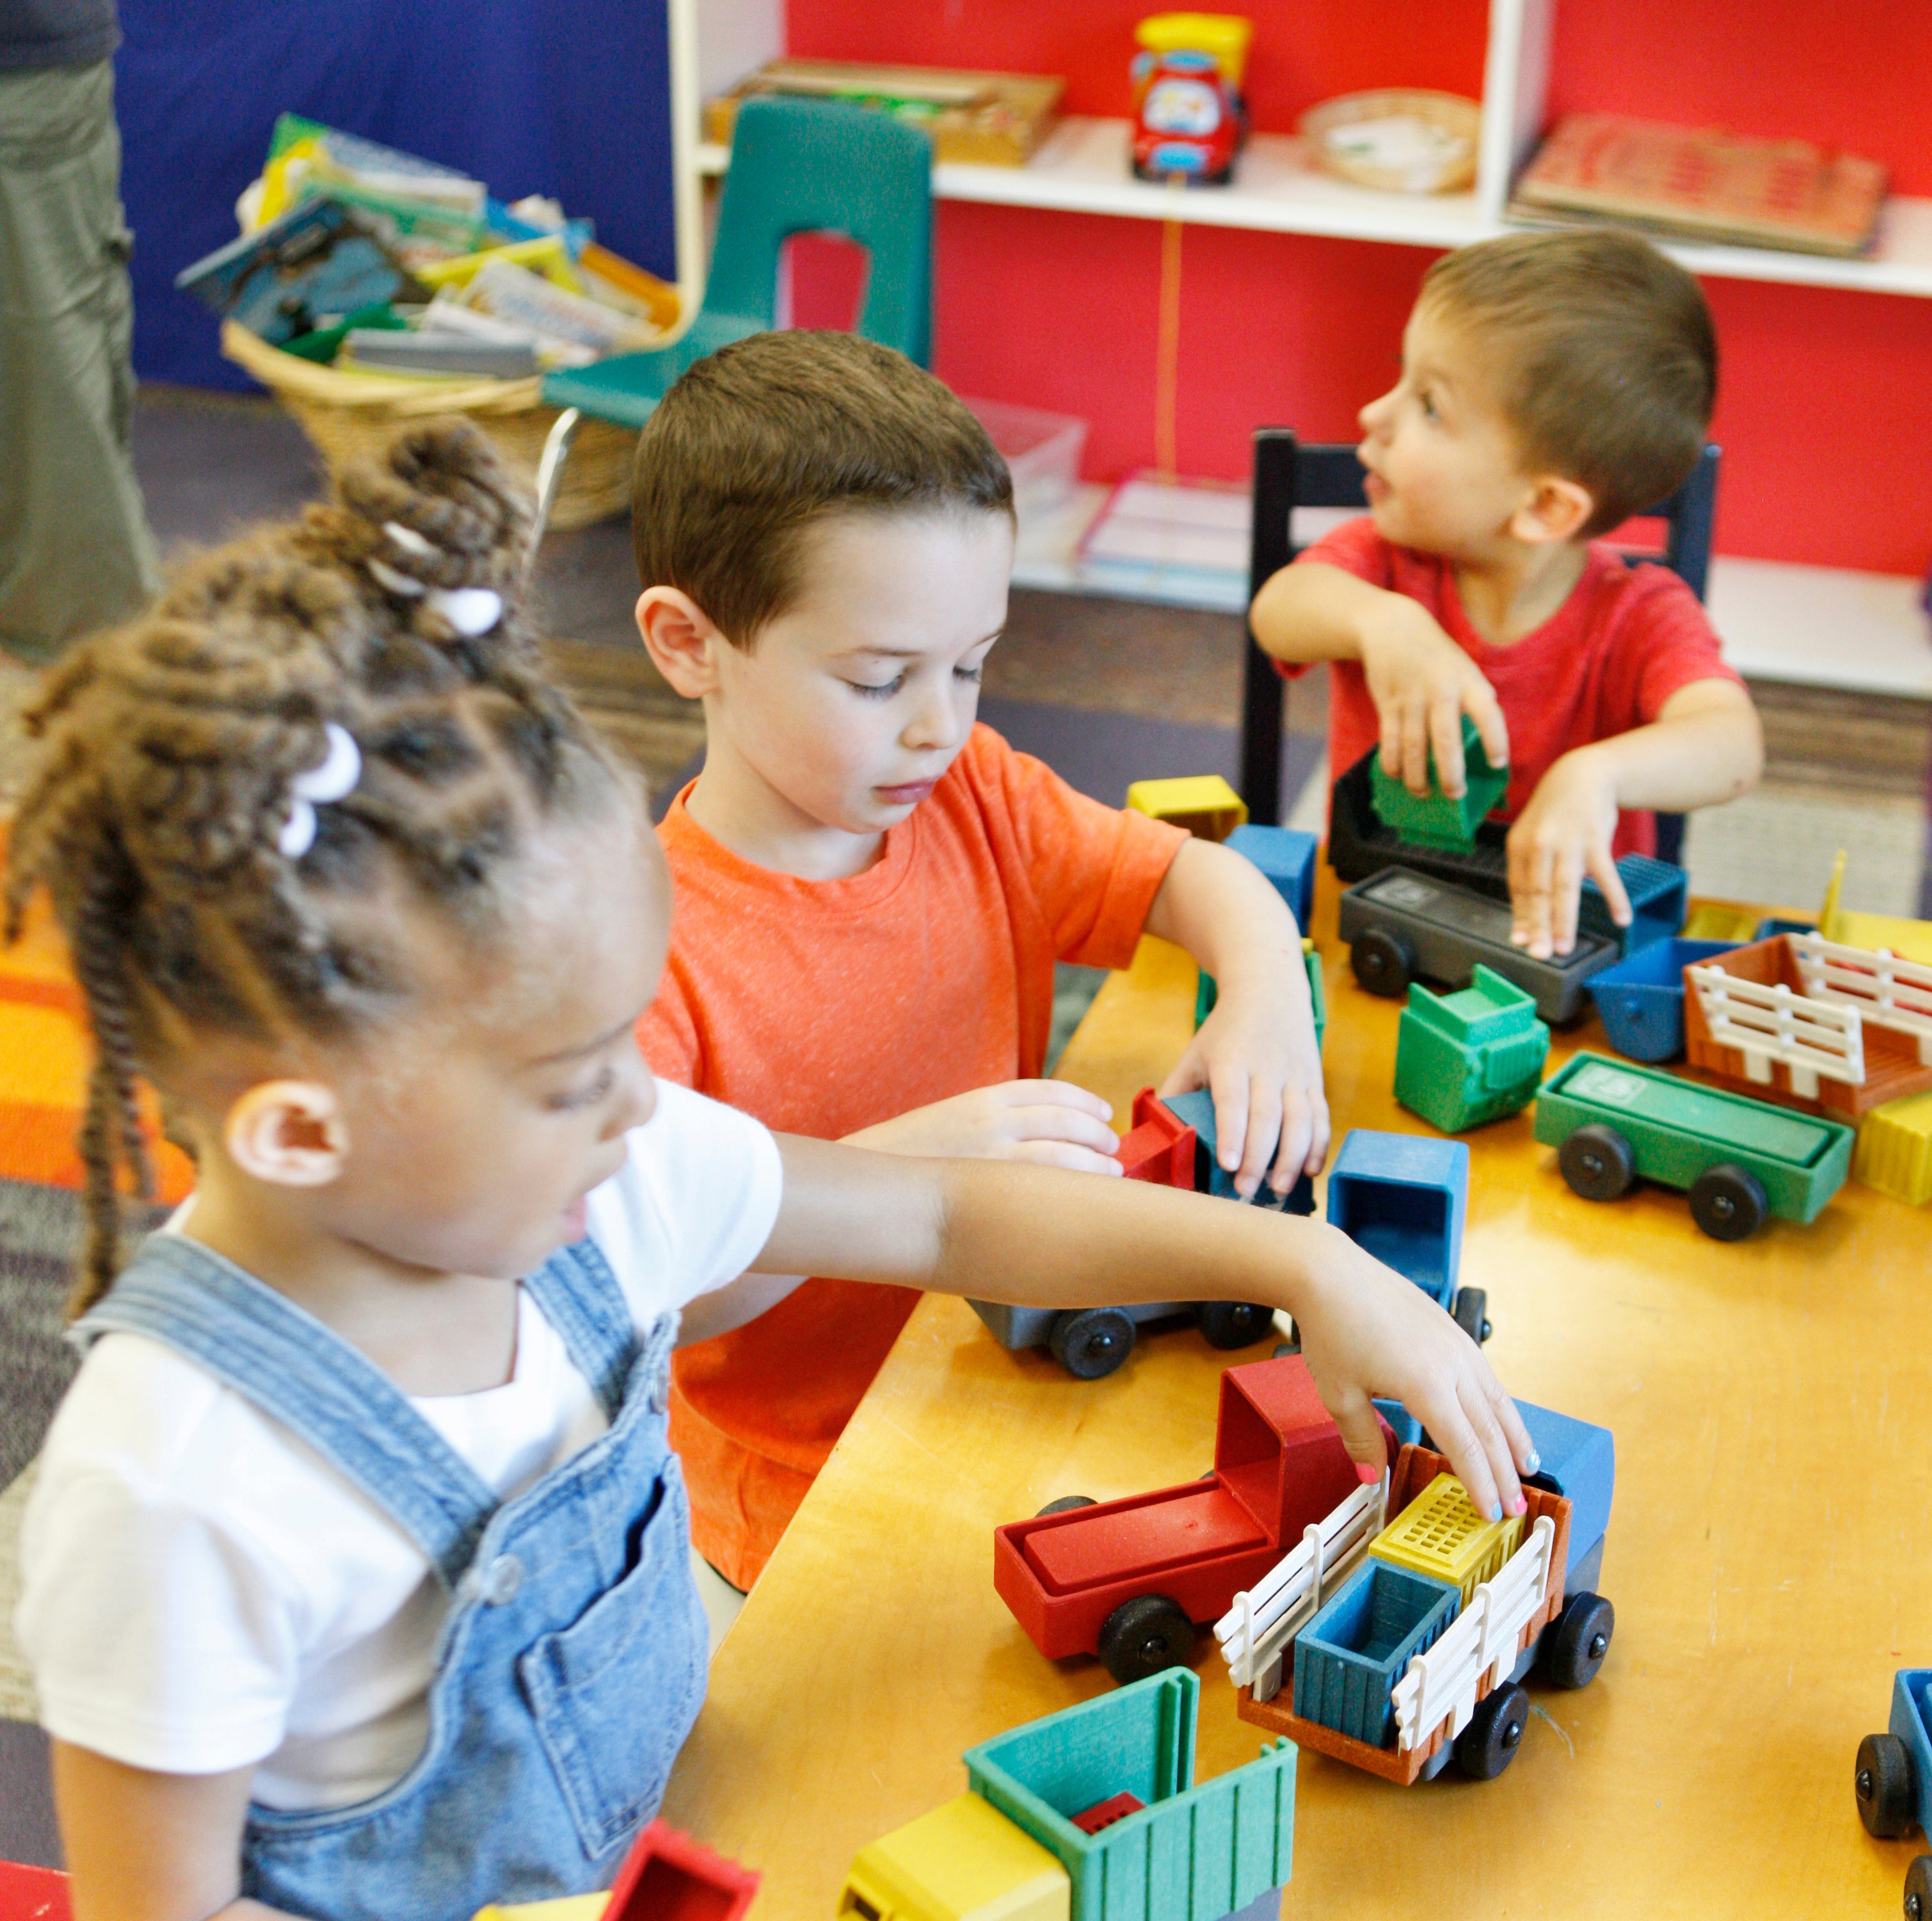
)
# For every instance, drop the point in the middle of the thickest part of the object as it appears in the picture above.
(571, 1665)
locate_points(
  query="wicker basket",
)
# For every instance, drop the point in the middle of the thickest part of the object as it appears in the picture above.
(1450, 112)
(352, 416)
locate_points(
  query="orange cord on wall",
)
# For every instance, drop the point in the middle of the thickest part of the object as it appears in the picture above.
(1167, 352)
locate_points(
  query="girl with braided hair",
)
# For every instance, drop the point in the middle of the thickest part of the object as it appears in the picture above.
(355, 1576)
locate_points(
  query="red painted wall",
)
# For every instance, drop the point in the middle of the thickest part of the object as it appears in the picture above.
(1826, 410)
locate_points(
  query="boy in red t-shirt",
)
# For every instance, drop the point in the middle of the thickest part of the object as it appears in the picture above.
(1552, 386)
(871, 891)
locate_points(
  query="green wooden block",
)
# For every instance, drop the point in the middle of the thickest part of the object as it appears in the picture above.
(1435, 819)
(1674, 1131)
(1205, 993)
(1469, 1057)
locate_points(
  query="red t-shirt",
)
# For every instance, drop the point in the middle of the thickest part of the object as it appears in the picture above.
(823, 1007)
(1605, 661)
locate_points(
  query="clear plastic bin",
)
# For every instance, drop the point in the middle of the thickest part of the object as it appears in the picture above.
(1042, 450)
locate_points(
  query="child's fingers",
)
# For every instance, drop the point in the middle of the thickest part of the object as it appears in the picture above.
(1050, 1121)
(1464, 1428)
(1264, 1125)
(1445, 734)
(1566, 889)
(1485, 1422)
(1320, 1131)
(1531, 868)
(1063, 1153)
(1415, 747)
(1480, 704)
(1298, 1127)
(1603, 871)
(1057, 1094)
(1229, 1086)
(1361, 1433)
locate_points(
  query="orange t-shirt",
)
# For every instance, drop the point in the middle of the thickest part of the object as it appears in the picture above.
(823, 1007)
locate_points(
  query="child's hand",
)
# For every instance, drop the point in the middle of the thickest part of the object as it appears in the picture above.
(1255, 1053)
(1365, 1331)
(1563, 834)
(1053, 1123)
(1422, 684)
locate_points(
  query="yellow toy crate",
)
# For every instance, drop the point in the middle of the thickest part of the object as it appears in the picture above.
(1205, 804)
(1893, 1154)
(1441, 1534)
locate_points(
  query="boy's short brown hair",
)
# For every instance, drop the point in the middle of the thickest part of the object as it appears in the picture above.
(1606, 357)
(760, 440)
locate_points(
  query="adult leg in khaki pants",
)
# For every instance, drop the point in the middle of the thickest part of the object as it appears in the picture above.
(75, 550)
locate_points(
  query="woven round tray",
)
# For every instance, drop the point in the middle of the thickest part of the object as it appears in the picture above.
(353, 416)
(1450, 112)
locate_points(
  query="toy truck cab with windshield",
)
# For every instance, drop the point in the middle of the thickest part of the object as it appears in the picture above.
(1128, 1579)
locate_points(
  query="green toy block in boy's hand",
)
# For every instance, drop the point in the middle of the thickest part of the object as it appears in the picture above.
(1436, 819)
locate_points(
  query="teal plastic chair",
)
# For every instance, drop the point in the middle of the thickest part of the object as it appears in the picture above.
(797, 166)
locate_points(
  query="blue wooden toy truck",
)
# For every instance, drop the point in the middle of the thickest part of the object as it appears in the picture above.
(1893, 1780)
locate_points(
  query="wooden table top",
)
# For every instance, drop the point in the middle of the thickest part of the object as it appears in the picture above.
(1770, 1402)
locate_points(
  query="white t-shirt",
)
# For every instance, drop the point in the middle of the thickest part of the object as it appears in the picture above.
(202, 1591)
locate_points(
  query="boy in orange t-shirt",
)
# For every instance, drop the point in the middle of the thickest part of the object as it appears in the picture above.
(871, 891)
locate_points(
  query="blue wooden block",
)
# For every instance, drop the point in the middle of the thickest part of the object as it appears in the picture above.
(1196, 1110)
(1579, 1462)
(1640, 998)
(1401, 1199)
(1348, 1659)
(1287, 858)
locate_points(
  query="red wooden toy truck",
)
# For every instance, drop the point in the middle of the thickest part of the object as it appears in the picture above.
(1127, 1579)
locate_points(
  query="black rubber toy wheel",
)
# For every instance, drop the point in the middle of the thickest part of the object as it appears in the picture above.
(1232, 1324)
(1065, 1504)
(1888, 1798)
(1145, 1635)
(1383, 961)
(1092, 1342)
(1728, 1202)
(1471, 1313)
(1919, 1889)
(1579, 1641)
(1598, 1163)
(1488, 1744)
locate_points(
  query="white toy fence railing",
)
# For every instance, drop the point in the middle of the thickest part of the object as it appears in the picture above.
(1815, 1040)
(1442, 1681)
(1883, 989)
(1256, 1632)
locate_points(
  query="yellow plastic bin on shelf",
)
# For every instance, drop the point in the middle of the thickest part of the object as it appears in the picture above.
(1225, 36)
(1441, 1534)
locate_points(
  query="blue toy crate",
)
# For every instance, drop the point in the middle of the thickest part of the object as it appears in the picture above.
(1348, 1659)
(1401, 1198)
(1641, 997)
(1659, 897)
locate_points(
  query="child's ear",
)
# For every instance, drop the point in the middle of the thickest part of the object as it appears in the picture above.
(1557, 509)
(681, 639)
(289, 1133)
